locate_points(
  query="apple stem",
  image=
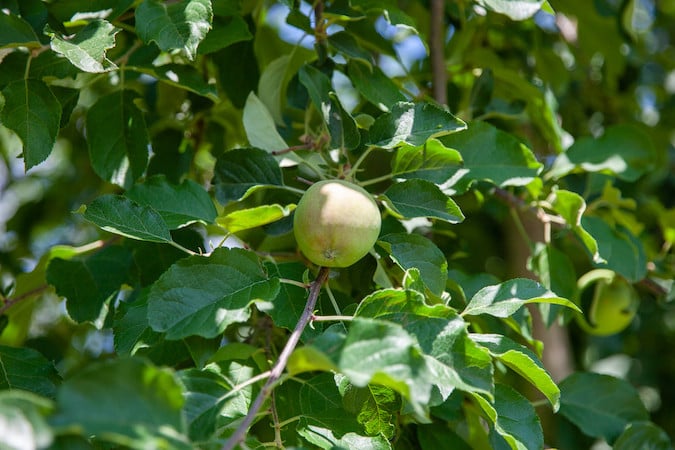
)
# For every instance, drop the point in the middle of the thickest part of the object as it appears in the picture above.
(280, 365)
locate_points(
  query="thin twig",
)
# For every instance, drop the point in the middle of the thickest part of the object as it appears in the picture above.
(280, 365)
(11, 301)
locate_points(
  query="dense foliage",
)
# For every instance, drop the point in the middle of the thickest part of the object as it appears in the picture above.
(520, 293)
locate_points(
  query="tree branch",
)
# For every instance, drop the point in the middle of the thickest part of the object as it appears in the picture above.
(437, 51)
(280, 365)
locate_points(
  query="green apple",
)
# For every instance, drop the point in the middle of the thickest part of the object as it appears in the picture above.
(336, 223)
(614, 302)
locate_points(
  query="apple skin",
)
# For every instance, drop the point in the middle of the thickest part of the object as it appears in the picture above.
(614, 304)
(336, 223)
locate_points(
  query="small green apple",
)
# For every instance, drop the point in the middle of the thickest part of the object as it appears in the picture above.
(614, 302)
(336, 223)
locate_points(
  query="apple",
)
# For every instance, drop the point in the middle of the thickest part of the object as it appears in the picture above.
(613, 305)
(336, 223)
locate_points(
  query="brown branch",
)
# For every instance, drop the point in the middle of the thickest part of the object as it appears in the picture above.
(280, 365)
(11, 301)
(437, 51)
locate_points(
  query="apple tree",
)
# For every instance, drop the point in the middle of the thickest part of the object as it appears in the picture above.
(508, 278)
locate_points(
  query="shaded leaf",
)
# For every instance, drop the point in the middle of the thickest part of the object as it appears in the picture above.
(240, 172)
(125, 401)
(178, 204)
(202, 295)
(176, 26)
(182, 76)
(15, 32)
(643, 435)
(420, 198)
(506, 298)
(225, 32)
(374, 85)
(88, 282)
(28, 370)
(117, 138)
(600, 405)
(492, 155)
(618, 249)
(416, 251)
(123, 216)
(86, 50)
(33, 112)
(375, 407)
(412, 123)
(623, 150)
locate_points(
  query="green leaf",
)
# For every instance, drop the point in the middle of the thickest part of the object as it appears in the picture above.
(374, 85)
(176, 26)
(416, 251)
(16, 32)
(492, 155)
(514, 418)
(623, 150)
(571, 207)
(412, 123)
(260, 127)
(556, 272)
(178, 204)
(620, 250)
(182, 76)
(346, 44)
(202, 295)
(123, 216)
(420, 198)
(89, 282)
(125, 401)
(240, 172)
(117, 138)
(643, 435)
(504, 299)
(245, 219)
(523, 361)
(375, 407)
(432, 161)
(290, 302)
(600, 405)
(27, 369)
(372, 352)
(23, 420)
(325, 423)
(131, 328)
(225, 32)
(33, 112)
(86, 50)
(207, 393)
(433, 437)
(514, 9)
(344, 133)
(441, 334)
(318, 86)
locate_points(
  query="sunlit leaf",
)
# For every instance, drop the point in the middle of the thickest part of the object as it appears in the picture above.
(176, 26)
(420, 198)
(504, 299)
(87, 48)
